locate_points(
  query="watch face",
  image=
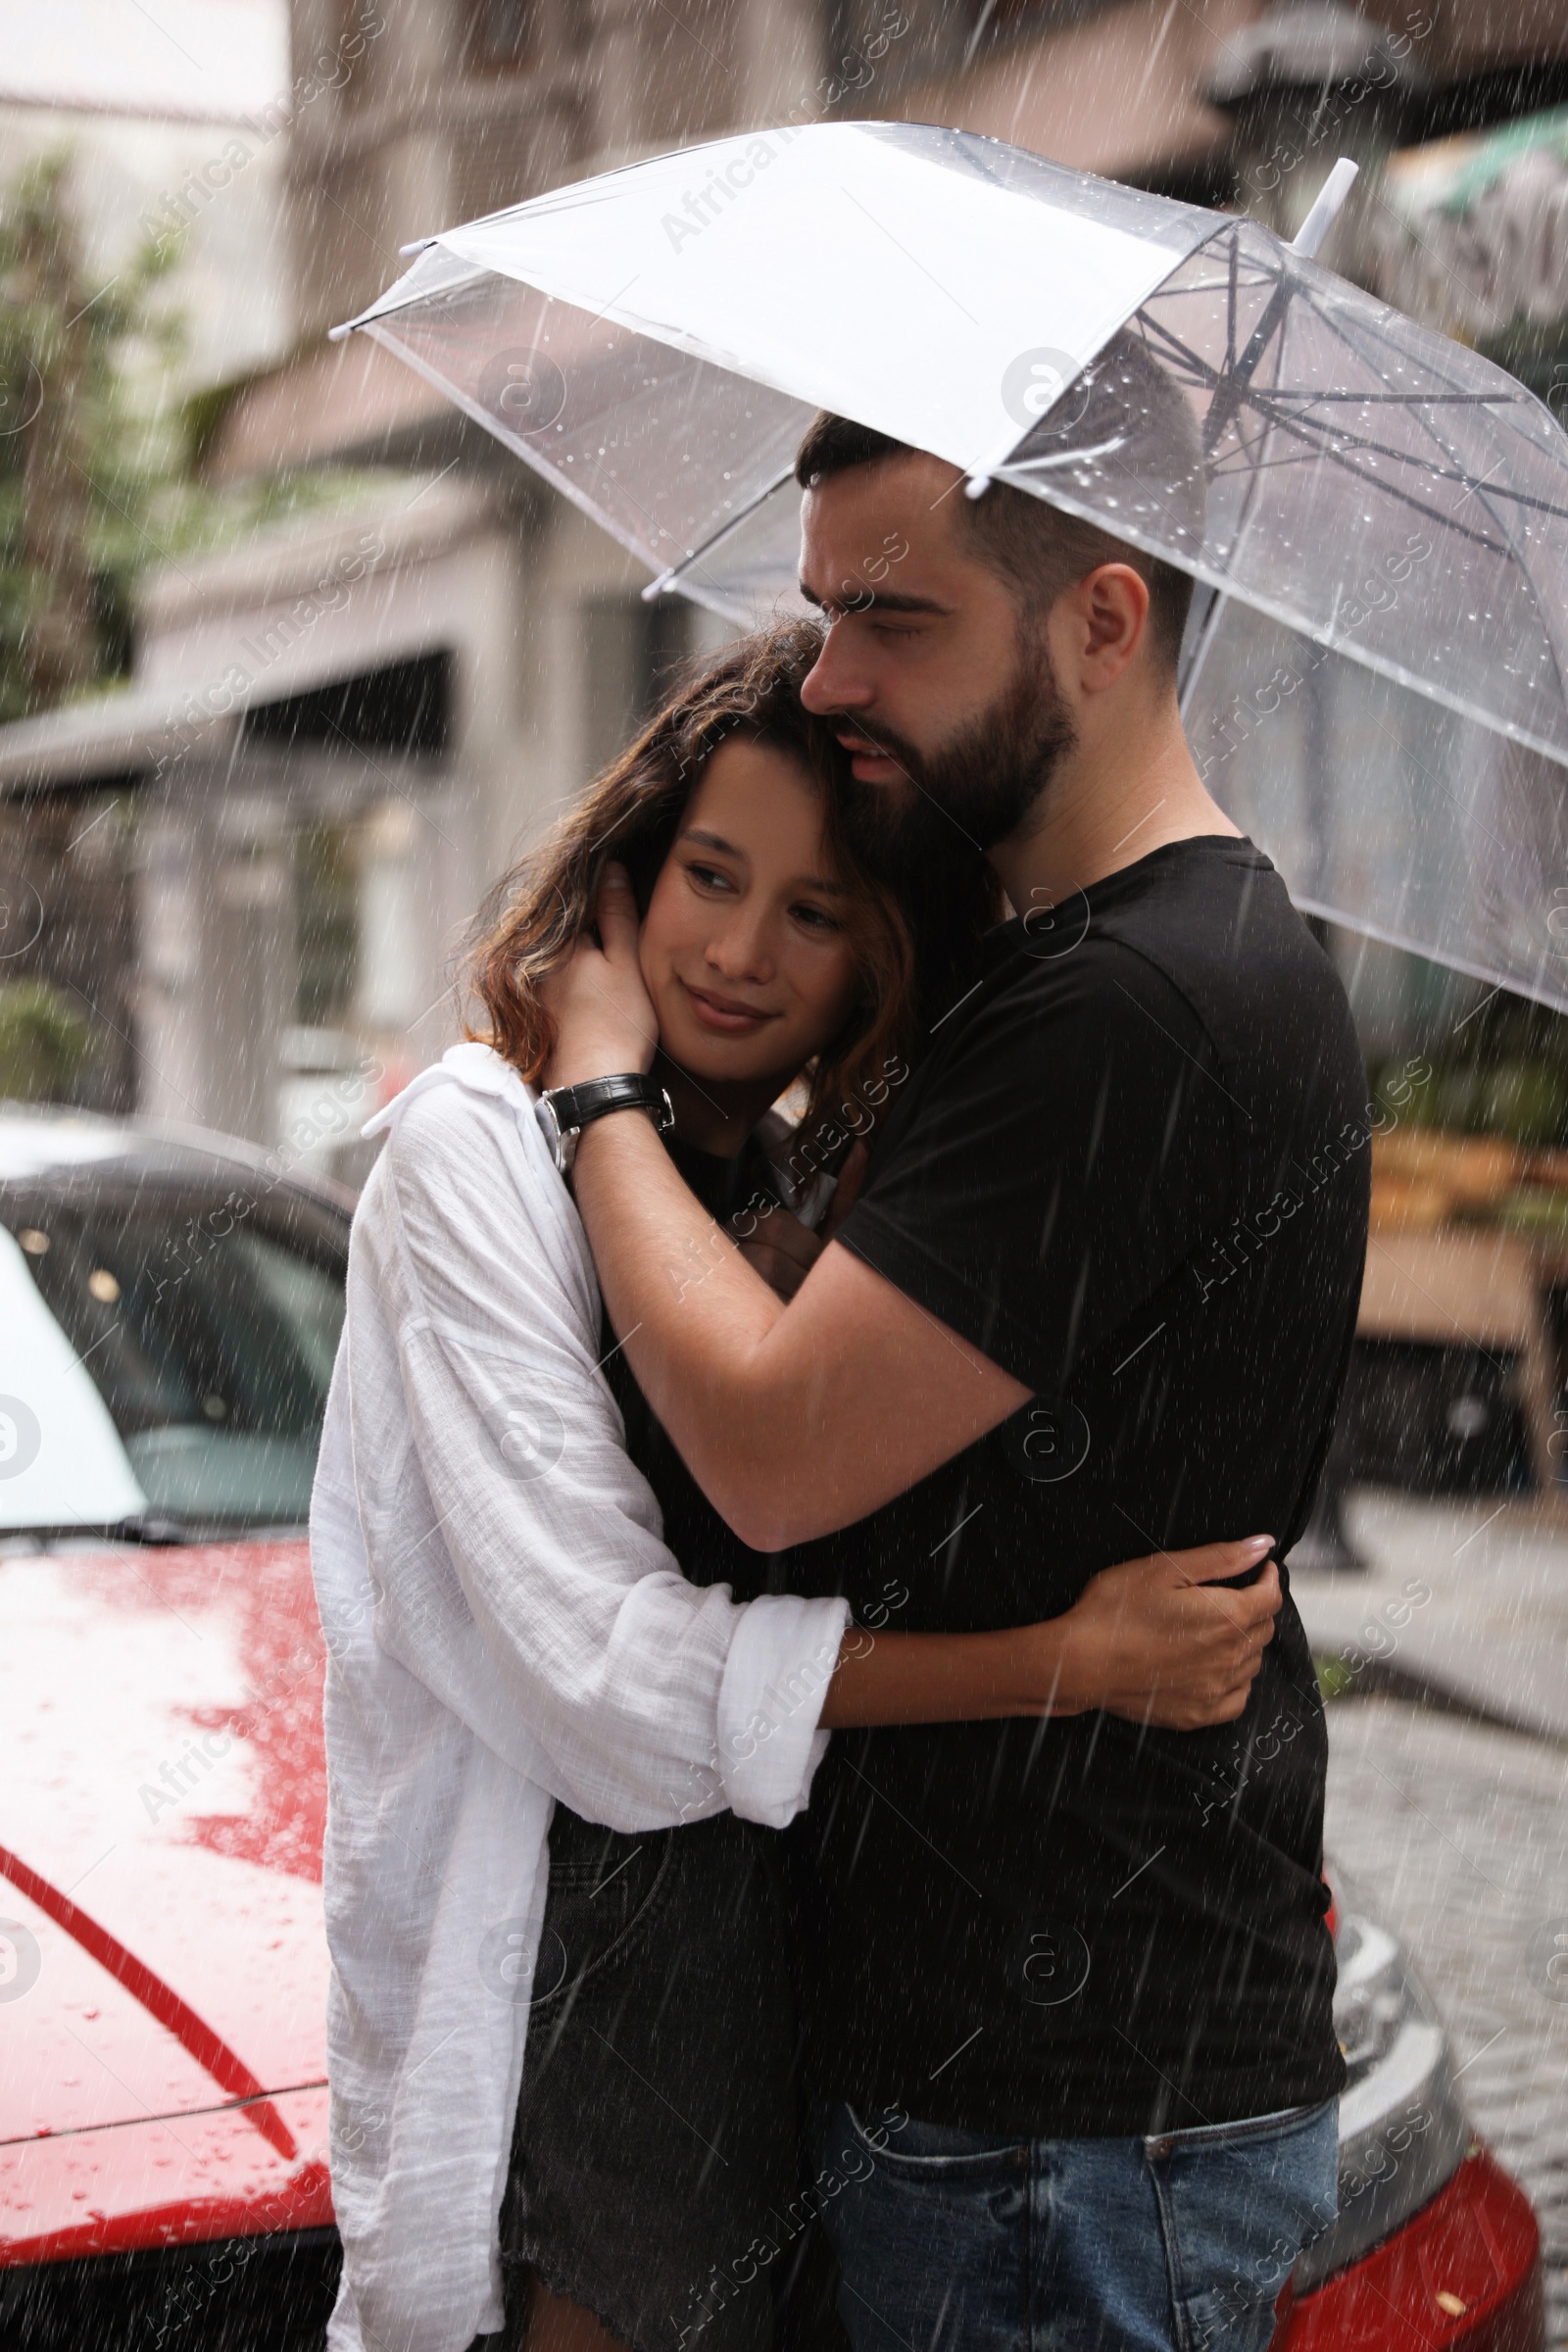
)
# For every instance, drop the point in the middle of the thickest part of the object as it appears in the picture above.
(559, 1144)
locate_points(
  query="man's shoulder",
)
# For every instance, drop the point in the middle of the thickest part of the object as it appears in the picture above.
(1196, 955)
(1214, 920)
(1220, 928)
(1211, 911)
(1090, 990)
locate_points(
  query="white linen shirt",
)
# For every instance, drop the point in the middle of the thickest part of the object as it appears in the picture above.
(504, 1627)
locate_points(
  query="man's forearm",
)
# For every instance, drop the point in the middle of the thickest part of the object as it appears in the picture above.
(793, 1420)
(657, 1252)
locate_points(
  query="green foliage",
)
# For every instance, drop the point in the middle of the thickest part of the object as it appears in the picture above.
(1334, 1677)
(96, 448)
(1535, 353)
(1503, 1071)
(44, 1040)
(81, 455)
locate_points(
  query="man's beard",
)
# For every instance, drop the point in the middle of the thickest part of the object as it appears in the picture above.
(986, 782)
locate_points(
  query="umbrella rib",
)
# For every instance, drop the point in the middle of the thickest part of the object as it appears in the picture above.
(1389, 490)
(1230, 303)
(1204, 370)
(1366, 361)
(1239, 379)
(1201, 373)
(668, 579)
(1480, 491)
(1204, 374)
(1308, 455)
(1250, 361)
(1523, 498)
(1385, 489)
(1410, 400)
(1372, 327)
(1300, 429)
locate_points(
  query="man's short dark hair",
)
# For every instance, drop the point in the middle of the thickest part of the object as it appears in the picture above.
(1134, 429)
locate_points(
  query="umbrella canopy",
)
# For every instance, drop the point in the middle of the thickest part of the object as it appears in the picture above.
(655, 340)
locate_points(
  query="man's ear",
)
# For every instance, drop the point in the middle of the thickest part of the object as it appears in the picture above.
(1110, 623)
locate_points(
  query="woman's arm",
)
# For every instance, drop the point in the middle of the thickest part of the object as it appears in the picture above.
(1161, 1640)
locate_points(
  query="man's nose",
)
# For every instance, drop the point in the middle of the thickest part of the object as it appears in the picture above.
(833, 682)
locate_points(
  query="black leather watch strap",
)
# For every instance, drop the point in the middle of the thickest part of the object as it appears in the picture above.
(577, 1106)
(566, 1110)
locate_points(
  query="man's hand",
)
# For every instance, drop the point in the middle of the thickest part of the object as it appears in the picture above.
(1162, 1641)
(778, 1245)
(603, 1019)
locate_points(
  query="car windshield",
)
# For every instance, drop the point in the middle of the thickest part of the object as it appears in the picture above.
(208, 1325)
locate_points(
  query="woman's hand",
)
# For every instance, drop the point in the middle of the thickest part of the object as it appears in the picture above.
(1162, 1640)
(603, 1019)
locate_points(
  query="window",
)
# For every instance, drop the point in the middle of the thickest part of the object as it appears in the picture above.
(407, 707)
(996, 19)
(208, 1320)
(500, 36)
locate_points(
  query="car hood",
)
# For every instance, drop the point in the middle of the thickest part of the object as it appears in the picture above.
(163, 1958)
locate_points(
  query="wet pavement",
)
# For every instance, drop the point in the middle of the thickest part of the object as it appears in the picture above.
(1461, 1599)
(1456, 1834)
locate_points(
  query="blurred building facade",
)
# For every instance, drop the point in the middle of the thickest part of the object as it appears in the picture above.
(340, 734)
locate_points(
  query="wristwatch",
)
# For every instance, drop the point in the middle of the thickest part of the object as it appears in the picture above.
(564, 1111)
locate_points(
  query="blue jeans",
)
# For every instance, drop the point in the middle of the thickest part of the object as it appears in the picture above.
(965, 2241)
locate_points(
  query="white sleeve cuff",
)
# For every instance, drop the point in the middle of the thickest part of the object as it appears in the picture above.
(781, 1661)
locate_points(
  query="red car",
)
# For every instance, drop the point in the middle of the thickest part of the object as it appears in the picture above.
(169, 1311)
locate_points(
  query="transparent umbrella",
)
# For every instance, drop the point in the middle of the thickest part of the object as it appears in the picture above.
(1376, 675)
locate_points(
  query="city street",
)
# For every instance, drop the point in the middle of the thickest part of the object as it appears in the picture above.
(1456, 1834)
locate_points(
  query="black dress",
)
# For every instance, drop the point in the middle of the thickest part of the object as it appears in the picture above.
(654, 2172)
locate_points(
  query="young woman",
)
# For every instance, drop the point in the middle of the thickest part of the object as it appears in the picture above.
(652, 2144)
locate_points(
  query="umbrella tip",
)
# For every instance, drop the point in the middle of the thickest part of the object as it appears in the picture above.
(1326, 209)
(336, 334)
(977, 485)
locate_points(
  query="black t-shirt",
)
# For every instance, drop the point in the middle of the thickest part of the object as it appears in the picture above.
(708, 1549)
(1133, 1170)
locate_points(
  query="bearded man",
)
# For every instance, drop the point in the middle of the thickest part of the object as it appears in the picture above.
(1095, 1296)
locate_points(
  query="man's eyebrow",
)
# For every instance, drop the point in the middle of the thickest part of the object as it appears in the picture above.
(716, 841)
(884, 603)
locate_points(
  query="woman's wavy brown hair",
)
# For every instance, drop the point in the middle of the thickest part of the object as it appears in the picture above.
(536, 913)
